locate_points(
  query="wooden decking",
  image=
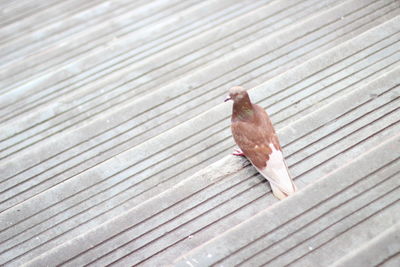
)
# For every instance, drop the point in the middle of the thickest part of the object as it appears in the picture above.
(115, 142)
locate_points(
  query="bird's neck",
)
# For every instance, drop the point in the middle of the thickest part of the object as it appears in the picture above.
(243, 109)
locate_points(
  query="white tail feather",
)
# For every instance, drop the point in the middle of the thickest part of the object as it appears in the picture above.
(278, 175)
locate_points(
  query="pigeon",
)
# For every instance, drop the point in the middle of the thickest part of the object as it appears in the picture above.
(253, 132)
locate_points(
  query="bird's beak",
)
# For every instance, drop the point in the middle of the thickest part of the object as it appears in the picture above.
(227, 99)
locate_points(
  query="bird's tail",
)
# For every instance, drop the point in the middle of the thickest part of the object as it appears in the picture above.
(279, 193)
(282, 184)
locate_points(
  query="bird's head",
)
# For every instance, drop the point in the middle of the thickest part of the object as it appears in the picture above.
(236, 93)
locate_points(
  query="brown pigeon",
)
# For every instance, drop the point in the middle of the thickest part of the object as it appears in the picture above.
(254, 134)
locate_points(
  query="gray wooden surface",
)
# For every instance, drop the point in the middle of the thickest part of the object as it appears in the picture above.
(115, 142)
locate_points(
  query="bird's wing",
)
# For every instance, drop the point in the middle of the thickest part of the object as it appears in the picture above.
(252, 142)
(254, 137)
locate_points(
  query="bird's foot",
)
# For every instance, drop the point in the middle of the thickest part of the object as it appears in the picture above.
(238, 152)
